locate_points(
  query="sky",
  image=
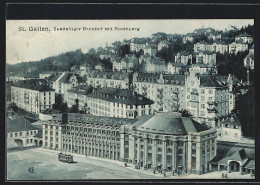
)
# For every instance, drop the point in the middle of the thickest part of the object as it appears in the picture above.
(25, 46)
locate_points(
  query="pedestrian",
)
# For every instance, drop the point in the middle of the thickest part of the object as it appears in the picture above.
(86, 155)
(172, 173)
(29, 169)
(164, 174)
(154, 172)
(222, 175)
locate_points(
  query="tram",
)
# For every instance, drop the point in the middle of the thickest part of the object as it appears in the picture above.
(65, 158)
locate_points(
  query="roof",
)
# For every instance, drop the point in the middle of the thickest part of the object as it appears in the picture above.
(168, 79)
(124, 96)
(243, 35)
(81, 89)
(117, 75)
(205, 53)
(37, 85)
(202, 42)
(169, 124)
(18, 123)
(232, 120)
(177, 64)
(240, 42)
(212, 81)
(199, 65)
(76, 118)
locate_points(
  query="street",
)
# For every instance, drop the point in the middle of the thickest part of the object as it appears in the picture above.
(47, 167)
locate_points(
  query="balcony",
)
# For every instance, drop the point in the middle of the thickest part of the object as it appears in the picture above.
(212, 110)
(194, 93)
(212, 103)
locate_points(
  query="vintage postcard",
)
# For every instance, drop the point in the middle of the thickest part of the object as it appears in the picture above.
(130, 99)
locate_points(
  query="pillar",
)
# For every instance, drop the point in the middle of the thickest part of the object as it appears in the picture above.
(122, 147)
(98, 153)
(174, 156)
(43, 135)
(54, 137)
(131, 148)
(184, 156)
(198, 157)
(154, 155)
(241, 170)
(113, 157)
(164, 154)
(145, 151)
(109, 148)
(138, 151)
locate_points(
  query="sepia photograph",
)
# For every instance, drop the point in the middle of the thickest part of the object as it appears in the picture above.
(130, 99)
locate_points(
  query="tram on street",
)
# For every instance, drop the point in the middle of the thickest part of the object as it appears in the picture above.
(65, 158)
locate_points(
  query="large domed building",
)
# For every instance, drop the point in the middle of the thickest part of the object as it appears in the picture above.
(169, 142)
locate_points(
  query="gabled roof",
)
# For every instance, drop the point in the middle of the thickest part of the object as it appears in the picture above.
(84, 90)
(232, 120)
(66, 77)
(212, 81)
(202, 42)
(18, 123)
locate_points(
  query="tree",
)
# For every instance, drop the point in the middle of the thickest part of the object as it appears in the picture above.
(245, 110)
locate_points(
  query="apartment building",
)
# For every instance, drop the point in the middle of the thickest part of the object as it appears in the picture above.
(32, 95)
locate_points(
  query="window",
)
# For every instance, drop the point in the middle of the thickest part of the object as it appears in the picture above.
(21, 133)
(203, 106)
(202, 91)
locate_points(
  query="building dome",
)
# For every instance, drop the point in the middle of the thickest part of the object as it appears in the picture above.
(169, 124)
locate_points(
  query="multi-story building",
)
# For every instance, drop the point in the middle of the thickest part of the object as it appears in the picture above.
(188, 37)
(202, 46)
(249, 59)
(32, 95)
(219, 47)
(79, 95)
(155, 65)
(231, 128)
(65, 82)
(202, 69)
(183, 57)
(176, 144)
(246, 38)
(238, 46)
(206, 57)
(162, 44)
(46, 74)
(99, 67)
(148, 49)
(175, 68)
(20, 132)
(118, 80)
(167, 91)
(121, 103)
(128, 63)
(207, 98)
(137, 46)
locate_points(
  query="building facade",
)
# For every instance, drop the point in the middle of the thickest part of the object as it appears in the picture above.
(175, 144)
(208, 98)
(120, 103)
(32, 96)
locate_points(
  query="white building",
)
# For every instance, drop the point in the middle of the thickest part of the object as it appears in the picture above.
(207, 98)
(20, 132)
(238, 46)
(219, 47)
(231, 128)
(162, 44)
(202, 46)
(120, 103)
(32, 96)
(183, 57)
(245, 38)
(202, 69)
(79, 94)
(206, 57)
(46, 74)
(66, 81)
(188, 37)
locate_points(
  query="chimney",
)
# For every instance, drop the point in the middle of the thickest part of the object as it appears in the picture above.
(64, 118)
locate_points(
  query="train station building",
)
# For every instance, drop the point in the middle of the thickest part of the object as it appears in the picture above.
(164, 141)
